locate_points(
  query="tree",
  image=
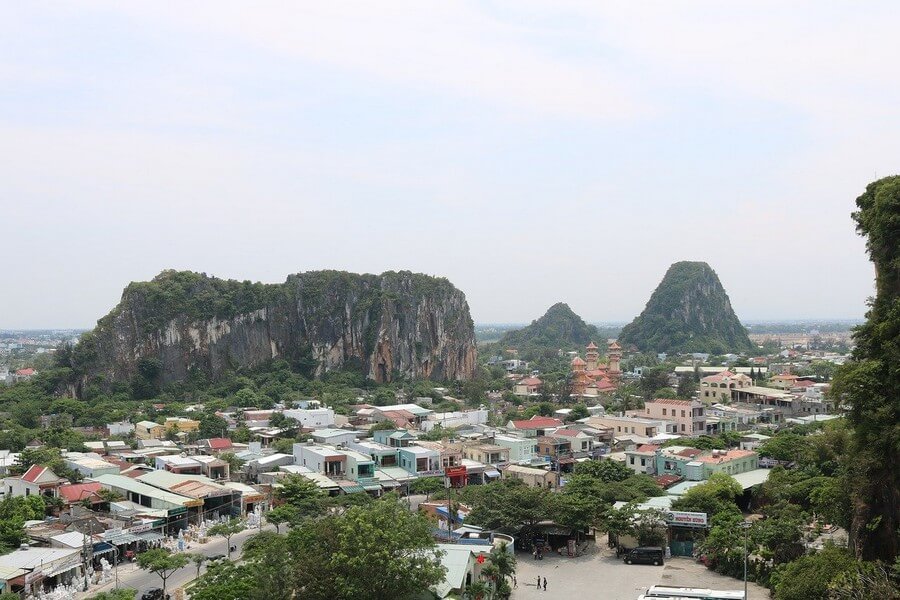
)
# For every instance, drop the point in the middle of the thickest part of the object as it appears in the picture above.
(478, 590)
(198, 559)
(426, 485)
(281, 514)
(870, 383)
(810, 576)
(303, 494)
(162, 562)
(227, 529)
(716, 495)
(579, 411)
(604, 470)
(686, 387)
(355, 556)
(266, 573)
(224, 580)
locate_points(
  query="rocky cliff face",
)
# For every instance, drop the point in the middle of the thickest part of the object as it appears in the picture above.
(688, 312)
(389, 326)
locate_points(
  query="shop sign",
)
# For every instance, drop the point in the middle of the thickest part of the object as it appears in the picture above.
(140, 528)
(177, 511)
(35, 575)
(689, 519)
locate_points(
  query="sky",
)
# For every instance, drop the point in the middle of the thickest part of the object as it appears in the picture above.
(531, 152)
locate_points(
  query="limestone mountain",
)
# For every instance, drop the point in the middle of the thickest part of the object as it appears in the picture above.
(560, 327)
(688, 312)
(393, 325)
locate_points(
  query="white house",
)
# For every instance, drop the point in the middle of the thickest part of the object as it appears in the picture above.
(521, 449)
(36, 481)
(311, 418)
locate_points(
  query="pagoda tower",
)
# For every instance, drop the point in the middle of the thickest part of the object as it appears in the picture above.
(592, 356)
(614, 352)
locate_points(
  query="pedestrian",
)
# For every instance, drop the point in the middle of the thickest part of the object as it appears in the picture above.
(545, 584)
(539, 582)
(515, 583)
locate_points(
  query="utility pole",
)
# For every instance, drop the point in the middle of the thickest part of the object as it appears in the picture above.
(745, 525)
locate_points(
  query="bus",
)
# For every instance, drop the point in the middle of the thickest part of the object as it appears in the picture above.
(663, 591)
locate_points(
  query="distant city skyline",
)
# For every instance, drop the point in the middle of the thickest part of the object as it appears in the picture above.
(529, 152)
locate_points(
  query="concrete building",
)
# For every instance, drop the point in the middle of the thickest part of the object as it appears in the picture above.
(642, 459)
(531, 476)
(36, 481)
(420, 461)
(149, 430)
(624, 425)
(311, 418)
(335, 437)
(717, 388)
(521, 449)
(688, 416)
(461, 418)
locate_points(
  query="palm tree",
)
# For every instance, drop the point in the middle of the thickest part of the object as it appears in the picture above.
(478, 591)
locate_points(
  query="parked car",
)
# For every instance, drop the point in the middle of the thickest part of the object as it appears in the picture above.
(154, 594)
(645, 555)
(215, 557)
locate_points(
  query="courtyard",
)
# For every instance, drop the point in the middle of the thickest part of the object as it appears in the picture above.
(599, 575)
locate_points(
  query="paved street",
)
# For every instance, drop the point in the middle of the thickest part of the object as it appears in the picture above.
(130, 576)
(600, 574)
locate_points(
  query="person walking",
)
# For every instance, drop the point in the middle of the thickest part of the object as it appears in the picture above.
(539, 582)
(515, 583)
(545, 584)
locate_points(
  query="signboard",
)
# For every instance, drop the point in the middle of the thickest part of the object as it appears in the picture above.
(177, 511)
(688, 519)
(140, 528)
(456, 471)
(33, 576)
(437, 473)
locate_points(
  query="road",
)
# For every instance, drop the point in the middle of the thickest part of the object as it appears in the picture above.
(130, 576)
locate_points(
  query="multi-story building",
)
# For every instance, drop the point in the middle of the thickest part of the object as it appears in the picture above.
(717, 388)
(688, 416)
(521, 449)
(623, 426)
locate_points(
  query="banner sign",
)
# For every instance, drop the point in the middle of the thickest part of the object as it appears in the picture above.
(690, 519)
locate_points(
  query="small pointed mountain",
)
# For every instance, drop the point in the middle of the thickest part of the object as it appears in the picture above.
(560, 327)
(688, 312)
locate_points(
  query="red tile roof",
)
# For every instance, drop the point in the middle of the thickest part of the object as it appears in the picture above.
(537, 422)
(592, 346)
(672, 401)
(25, 372)
(689, 452)
(647, 448)
(531, 381)
(665, 481)
(219, 443)
(578, 361)
(33, 472)
(730, 455)
(566, 432)
(76, 492)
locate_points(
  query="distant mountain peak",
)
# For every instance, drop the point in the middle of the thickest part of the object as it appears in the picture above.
(559, 327)
(689, 311)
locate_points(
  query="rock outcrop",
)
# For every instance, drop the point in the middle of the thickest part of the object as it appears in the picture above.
(389, 326)
(558, 328)
(688, 312)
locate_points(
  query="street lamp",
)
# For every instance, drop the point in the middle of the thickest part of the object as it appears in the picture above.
(745, 525)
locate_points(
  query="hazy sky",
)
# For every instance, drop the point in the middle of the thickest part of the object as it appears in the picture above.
(531, 152)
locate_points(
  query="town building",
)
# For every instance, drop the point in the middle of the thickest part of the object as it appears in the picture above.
(687, 416)
(532, 477)
(718, 387)
(36, 481)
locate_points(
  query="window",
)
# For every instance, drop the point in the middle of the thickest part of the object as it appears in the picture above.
(682, 413)
(632, 459)
(664, 412)
(682, 426)
(643, 462)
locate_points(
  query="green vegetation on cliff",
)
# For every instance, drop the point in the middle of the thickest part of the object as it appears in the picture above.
(560, 327)
(688, 312)
(870, 384)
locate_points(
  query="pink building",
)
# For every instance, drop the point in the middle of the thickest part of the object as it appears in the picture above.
(687, 416)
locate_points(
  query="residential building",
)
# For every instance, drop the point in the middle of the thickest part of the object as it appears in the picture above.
(311, 418)
(688, 416)
(384, 456)
(148, 430)
(717, 388)
(521, 449)
(535, 426)
(488, 454)
(529, 386)
(420, 461)
(181, 424)
(89, 464)
(395, 438)
(451, 453)
(461, 418)
(335, 437)
(531, 476)
(216, 445)
(36, 481)
(326, 460)
(122, 428)
(642, 459)
(580, 442)
(621, 426)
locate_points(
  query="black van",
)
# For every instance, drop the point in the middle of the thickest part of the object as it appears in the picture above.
(645, 556)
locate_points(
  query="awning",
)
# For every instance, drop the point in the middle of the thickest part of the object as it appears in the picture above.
(372, 487)
(151, 536)
(351, 488)
(492, 473)
(103, 548)
(54, 571)
(119, 539)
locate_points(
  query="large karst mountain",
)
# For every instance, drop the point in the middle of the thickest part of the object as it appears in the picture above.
(560, 327)
(397, 324)
(688, 312)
